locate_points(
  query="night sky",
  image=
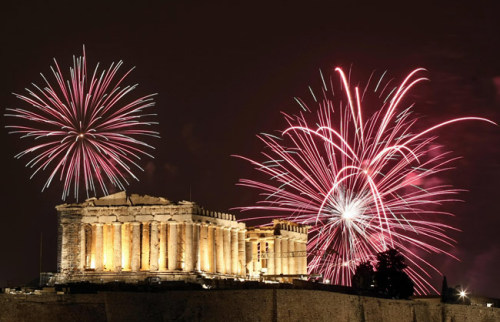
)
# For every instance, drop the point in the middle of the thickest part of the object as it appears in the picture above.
(223, 72)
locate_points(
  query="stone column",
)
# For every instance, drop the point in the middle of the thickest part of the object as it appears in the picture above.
(153, 258)
(145, 247)
(277, 256)
(163, 247)
(172, 246)
(300, 259)
(126, 246)
(83, 248)
(204, 251)
(108, 247)
(256, 257)
(227, 250)
(105, 249)
(270, 258)
(219, 246)
(98, 247)
(297, 257)
(135, 262)
(263, 254)
(249, 257)
(196, 247)
(117, 246)
(181, 241)
(234, 251)
(212, 258)
(292, 259)
(89, 255)
(93, 229)
(61, 249)
(188, 249)
(284, 256)
(241, 253)
(304, 258)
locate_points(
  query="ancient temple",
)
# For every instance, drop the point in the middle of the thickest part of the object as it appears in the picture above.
(277, 251)
(130, 238)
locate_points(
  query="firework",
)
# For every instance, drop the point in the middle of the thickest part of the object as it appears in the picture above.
(84, 130)
(361, 183)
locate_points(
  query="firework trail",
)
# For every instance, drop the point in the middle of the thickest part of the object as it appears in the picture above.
(361, 183)
(84, 129)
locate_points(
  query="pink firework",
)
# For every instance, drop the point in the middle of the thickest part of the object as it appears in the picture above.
(363, 184)
(85, 129)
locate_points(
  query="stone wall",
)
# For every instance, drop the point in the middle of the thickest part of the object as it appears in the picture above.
(233, 305)
(78, 307)
(222, 305)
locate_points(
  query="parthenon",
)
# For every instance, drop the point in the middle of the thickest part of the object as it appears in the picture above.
(130, 238)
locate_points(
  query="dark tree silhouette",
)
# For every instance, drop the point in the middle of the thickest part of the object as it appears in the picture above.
(445, 291)
(390, 279)
(363, 277)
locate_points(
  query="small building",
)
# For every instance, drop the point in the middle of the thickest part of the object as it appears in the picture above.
(133, 238)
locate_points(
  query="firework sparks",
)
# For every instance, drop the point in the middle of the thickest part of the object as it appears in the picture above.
(84, 130)
(362, 183)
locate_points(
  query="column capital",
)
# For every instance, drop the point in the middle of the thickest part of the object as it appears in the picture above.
(135, 223)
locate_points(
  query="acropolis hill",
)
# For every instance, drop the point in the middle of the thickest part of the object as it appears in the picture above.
(206, 267)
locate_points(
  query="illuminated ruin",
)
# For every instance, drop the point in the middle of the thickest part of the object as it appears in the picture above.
(130, 238)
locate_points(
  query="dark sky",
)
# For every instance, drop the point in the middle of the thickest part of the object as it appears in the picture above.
(224, 72)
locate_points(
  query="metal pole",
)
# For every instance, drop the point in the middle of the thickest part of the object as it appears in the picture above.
(41, 253)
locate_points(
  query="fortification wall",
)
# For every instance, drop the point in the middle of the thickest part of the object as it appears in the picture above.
(233, 305)
(68, 307)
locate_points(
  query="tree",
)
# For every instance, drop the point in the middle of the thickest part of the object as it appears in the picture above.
(445, 291)
(363, 277)
(390, 279)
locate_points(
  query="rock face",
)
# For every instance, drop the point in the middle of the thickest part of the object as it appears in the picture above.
(132, 238)
(233, 305)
